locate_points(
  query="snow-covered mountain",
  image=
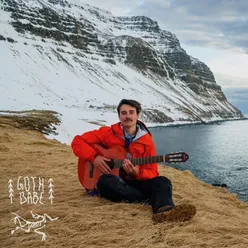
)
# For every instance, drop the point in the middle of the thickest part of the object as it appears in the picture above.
(81, 61)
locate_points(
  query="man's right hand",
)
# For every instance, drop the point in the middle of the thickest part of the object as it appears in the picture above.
(101, 164)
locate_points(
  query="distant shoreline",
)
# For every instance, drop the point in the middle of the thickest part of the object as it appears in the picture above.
(178, 124)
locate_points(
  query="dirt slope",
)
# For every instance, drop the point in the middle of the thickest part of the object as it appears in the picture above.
(221, 219)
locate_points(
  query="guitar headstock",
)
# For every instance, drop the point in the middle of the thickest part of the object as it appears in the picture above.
(177, 157)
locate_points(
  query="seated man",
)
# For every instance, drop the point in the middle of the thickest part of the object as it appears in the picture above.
(140, 183)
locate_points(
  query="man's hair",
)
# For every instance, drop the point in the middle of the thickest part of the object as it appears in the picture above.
(132, 103)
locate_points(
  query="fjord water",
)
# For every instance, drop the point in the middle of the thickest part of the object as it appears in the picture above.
(217, 153)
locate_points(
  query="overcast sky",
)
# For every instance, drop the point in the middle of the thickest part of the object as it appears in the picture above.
(214, 31)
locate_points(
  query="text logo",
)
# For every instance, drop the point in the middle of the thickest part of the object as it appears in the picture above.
(31, 190)
(35, 226)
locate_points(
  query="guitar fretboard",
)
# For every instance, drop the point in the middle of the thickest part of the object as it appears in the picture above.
(147, 160)
(141, 161)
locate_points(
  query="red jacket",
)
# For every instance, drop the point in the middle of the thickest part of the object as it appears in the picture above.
(113, 135)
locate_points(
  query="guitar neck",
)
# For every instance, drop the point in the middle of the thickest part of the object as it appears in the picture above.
(148, 160)
(141, 161)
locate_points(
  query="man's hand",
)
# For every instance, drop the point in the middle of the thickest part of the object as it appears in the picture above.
(130, 168)
(101, 164)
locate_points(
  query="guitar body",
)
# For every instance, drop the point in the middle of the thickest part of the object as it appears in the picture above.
(88, 174)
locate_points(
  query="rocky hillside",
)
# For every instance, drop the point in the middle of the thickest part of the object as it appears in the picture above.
(69, 56)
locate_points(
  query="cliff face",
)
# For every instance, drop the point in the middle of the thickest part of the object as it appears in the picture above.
(121, 56)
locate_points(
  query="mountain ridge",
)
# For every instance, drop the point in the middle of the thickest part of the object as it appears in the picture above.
(79, 60)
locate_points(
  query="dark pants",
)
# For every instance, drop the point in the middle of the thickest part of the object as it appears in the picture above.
(156, 191)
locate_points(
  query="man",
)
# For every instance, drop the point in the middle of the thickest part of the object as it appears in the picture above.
(140, 183)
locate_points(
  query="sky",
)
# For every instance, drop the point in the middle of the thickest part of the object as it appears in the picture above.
(216, 32)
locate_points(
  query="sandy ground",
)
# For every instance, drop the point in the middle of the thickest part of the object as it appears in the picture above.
(221, 219)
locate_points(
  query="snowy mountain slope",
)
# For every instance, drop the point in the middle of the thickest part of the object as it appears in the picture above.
(80, 61)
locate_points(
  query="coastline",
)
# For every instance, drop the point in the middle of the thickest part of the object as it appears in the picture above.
(174, 132)
(192, 123)
(64, 127)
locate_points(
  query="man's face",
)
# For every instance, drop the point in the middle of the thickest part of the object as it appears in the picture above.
(128, 116)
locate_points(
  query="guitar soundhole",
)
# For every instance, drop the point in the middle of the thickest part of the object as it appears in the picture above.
(111, 164)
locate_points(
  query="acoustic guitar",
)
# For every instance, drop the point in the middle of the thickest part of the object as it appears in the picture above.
(88, 174)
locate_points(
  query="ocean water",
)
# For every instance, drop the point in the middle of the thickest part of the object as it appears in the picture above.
(217, 153)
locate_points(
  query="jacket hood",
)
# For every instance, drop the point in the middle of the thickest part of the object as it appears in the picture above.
(143, 134)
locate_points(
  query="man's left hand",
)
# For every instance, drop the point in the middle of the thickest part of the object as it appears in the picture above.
(130, 168)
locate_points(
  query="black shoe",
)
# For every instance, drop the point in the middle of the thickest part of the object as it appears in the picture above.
(183, 212)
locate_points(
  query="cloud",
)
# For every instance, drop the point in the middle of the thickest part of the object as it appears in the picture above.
(235, 90)
(227, 82)
(229, 68)
(231, 64)
(221, 24)
(238, 97)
